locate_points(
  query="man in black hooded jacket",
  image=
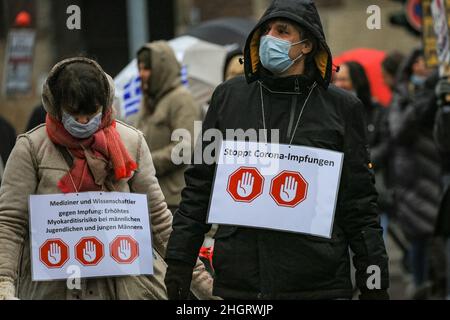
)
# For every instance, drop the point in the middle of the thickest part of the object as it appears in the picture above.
(252, 263)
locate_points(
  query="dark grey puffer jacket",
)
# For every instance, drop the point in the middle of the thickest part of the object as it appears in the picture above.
(416, 161)
(442, 137)
(261, 264)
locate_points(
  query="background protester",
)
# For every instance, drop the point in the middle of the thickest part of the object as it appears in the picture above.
(167, 106)
(37, 117)
(353, 78)
(8, 136)
(416, 164)
(390, 68)
(442, 136)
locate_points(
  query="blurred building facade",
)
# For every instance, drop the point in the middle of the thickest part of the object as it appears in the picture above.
(105, 34)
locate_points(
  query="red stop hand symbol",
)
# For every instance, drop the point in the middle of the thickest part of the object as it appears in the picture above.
(289, 189)
(245, 184)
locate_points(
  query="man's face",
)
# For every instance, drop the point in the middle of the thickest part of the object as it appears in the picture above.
(284, 29)
(145, 74)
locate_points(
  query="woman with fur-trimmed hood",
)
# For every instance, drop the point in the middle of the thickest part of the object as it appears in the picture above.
(81, 148)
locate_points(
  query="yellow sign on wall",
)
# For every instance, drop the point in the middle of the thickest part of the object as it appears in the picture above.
(429, 36)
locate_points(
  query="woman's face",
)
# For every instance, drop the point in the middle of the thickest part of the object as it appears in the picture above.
(343, 80)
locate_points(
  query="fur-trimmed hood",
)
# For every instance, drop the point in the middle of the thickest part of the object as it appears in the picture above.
(47, 96)
(304, 13)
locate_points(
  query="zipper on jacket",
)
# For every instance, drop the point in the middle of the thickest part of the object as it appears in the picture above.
(292, 116)
(293, 107)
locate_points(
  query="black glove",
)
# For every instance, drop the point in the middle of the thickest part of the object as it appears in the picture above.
(380, 294)
(178, 279)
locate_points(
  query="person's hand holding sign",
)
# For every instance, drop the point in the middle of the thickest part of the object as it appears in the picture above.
(245, 185)
(90, 252)
(289, 189)
(54, 254)
(124, 250)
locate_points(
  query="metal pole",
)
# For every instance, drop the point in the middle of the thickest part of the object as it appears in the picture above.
(138, 33)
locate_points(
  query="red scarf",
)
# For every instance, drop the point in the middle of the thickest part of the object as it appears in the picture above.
(104, 146)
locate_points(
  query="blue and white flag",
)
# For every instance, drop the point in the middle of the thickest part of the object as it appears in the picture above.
(128, 90)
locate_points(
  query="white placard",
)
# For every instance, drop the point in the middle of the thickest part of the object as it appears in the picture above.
(19, 61)
(102, 234)
(280, 187)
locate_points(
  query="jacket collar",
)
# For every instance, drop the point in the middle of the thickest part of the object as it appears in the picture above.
(291, 84)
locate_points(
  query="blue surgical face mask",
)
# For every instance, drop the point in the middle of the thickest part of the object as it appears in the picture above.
(274, 54)
(418, 80)
(79, 130)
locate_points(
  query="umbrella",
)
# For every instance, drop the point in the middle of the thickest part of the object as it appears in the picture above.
(202, 60)
(371, 60)
(224, 31)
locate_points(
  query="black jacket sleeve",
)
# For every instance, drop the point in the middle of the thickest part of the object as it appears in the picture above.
(380, 150)
(406, 118)
(359, 214)
(442, 130)
(189, 223)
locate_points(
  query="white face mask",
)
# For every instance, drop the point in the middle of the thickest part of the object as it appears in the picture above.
(418, 80)
(79, 130)
(274, 54)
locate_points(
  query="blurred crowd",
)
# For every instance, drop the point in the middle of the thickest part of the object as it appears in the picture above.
(409, 152)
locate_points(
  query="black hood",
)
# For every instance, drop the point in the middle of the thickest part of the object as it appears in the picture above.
(405, 70)
(304, 13)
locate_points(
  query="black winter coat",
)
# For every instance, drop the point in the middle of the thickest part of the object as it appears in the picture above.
(378, 137)
(442, 137)
(37, 118)
(259, 264)
(8, 136)
(416, 161)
